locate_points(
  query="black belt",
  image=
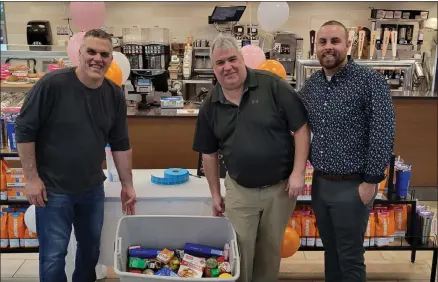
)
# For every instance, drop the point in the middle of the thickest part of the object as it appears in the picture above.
(337, 177)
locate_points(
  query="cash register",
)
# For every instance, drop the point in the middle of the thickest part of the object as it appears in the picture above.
(145, 83)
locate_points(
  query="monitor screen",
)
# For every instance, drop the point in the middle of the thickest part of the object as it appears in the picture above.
(227, 13)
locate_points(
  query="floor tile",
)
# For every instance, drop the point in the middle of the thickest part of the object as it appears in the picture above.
(20, 280)
(406, 255)
(19, 256)
(8, 267)
(296, 257)
(28, 269)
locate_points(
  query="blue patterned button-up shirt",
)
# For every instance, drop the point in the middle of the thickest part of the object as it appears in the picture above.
(352, 120)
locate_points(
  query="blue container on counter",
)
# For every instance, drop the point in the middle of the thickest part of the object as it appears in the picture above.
(403, 178)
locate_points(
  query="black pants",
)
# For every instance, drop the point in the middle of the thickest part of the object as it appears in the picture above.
(342, 219)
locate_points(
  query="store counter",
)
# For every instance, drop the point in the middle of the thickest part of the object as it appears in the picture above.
(191, 198)
(164, 138)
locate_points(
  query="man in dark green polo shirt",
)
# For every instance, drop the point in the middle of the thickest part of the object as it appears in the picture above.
(259, 124)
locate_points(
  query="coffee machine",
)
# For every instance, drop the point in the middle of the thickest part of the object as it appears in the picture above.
(157, 56)
(287, 46)
(39, 33)
(238, 33)
(145, 83)
(135, 55)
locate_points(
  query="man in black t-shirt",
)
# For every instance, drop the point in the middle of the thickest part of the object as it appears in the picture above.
(259, 124)
(66, 121)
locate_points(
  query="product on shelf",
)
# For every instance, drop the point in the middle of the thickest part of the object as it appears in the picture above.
(195, 261)
(16, 229)
(371, 231)
(14, 232)
(15, 182)
(4, 234)
(3, 186)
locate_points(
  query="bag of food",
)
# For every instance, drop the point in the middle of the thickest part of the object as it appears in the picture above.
(370, 233)
(308, 230)
(16, 228)
(401, 220)
(3, 185)
(30, 239)
(295, 222)
(391, 226)
(4, 238)
(382, 229)
(318, 242)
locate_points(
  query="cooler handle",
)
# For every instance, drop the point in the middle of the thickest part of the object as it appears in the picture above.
(119, 246)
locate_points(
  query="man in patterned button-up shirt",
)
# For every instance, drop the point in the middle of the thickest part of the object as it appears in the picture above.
(352, 120)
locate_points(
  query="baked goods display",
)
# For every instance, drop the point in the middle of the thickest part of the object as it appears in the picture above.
(19, 68)
(17, 79)
(12, 100)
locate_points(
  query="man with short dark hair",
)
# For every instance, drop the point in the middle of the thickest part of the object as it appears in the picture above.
(259, 124)
(352, 120)
(66, 121)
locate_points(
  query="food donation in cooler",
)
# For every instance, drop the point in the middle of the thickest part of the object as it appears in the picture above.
(194, 261)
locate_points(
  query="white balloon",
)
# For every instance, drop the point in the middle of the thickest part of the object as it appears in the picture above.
(123, 63)
(272, 15)
(30, 219)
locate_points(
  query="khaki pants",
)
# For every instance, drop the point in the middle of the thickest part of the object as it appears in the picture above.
(259, 216)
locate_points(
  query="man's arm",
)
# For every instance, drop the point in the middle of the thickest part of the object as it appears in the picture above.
(295, 114)
(205, 143)
(120, 145)
(382, 129)
(211, 171)
(26, 152)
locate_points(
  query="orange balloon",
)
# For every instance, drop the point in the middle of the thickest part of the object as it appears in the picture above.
(291, 243)
(274, 67)
(114, 73)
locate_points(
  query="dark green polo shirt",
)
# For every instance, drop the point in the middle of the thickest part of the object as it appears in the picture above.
(254, 137)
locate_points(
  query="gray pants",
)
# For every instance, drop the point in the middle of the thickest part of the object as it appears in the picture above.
(342, 219)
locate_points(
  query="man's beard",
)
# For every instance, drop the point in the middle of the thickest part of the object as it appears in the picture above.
(333, 62)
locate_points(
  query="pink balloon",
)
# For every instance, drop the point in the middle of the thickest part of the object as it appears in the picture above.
(253, 56)
(87, 15)
(74, 44)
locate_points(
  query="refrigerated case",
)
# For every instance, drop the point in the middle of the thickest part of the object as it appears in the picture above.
(401, 75)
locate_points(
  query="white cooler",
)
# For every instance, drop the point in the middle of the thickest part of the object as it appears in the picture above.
(172, 232)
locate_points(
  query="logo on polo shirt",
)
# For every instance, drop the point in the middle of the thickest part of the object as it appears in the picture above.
(255, 101)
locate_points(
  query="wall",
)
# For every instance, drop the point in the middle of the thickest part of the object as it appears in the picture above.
(185, 19)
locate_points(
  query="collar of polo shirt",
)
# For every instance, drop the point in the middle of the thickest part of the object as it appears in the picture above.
(342, 71)
(217, 95)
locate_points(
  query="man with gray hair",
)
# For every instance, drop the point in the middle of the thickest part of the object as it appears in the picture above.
(66, 121)
(259, 124)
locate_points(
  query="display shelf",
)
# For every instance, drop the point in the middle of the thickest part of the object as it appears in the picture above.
(8, 153)
(14, 87)
(19, 250)
(14, 202)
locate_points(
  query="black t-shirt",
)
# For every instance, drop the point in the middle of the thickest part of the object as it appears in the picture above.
(71, 125)
(254, 137)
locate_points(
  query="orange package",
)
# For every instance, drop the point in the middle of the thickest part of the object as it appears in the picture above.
(16, 228)
(370, 233)
(383, 183)
(308, 230)
(30, 239)
(382, 229)
(391, 226)
(318, 241)
(3, 185)
(401, 220)
(295, 222)
(4, 238)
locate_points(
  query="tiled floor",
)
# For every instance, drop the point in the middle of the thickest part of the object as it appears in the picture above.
(383, 266)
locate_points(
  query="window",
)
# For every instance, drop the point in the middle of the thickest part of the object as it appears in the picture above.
(2, 24)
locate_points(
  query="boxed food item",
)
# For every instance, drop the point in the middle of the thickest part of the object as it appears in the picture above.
(4, 234)
(16, 229)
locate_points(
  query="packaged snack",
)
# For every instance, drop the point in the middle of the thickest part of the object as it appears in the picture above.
(382, 229)
(3, 186)
(137, 252)
(165, 256)
(30, 239)
(370, 233)
(295, 222)
(202, 251)
(137, 263)
(318, 242)
(308, 230)
(225, 275)
(148, 272)
(173, 264)
(401, 220)
(16, 229)
(191, 267)
(4, 238)
(137, 271)
(226, 253)
(391, 224)
(166, 272)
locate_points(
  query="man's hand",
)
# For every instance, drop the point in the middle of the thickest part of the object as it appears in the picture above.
(366, 192)
(295, 184)
(218, 205)
(36, 192)
(129, 200)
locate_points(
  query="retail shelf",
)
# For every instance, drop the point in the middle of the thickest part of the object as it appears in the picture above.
(19, 250)
(8, 154)
(14, 202)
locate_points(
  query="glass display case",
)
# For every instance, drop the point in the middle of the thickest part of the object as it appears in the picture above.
(401, 75)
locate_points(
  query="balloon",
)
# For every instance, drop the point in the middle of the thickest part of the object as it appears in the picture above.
(114, 73)
(74, 44)
(87, 15)
(272, 15)
(253, 56)
(274, 67)
(29, 219)
(123, 63)
(291, 242)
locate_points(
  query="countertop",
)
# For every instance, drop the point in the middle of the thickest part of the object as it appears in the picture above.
(190, 110)
(414, 94)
